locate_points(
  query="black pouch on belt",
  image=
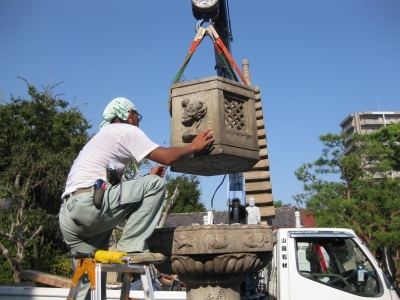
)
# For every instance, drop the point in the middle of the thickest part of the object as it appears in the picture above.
(98, 195)
(112, 174)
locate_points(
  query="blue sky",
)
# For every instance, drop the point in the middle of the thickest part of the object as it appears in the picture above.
(315, 61)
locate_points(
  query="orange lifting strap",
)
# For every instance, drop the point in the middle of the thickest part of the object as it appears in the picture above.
(222, 51)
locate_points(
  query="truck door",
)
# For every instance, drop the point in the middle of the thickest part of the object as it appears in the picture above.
(331, 267)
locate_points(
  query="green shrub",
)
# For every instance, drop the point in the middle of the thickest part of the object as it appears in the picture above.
(61, 266)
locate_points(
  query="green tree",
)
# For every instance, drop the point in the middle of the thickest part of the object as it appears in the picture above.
(278, 203)
(189, 196)
(135, 169)
(360, 192)
(183, 195)
(387, 140)
(40, 138)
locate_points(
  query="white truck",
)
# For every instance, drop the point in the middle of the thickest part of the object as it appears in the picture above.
(324, 263)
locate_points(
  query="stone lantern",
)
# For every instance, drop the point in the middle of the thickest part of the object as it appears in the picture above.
(225, 106)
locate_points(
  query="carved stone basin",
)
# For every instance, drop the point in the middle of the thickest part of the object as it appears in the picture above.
(213, 259)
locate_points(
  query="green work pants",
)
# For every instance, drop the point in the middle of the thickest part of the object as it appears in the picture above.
(86, 228)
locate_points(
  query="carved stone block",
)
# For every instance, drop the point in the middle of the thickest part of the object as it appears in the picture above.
(225, 106)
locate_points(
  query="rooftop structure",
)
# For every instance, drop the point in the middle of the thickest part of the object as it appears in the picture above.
(284, 218)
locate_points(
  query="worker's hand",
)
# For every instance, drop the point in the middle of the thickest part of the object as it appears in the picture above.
(203, 139)
(158, 170)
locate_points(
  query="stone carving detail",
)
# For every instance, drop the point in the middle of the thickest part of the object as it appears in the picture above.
(217, 242)
(213, 259)
(256, 241)
(234, 114)
(183, 241)
(193, 113)
(205, 239)
(233, 264)
(226, 106)
(221, 296)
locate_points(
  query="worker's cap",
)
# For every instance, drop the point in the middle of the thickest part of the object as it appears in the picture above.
(118, 107)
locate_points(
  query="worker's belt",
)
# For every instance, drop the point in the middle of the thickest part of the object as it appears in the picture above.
(80, 191)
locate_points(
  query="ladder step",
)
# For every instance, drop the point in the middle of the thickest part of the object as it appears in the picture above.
(128, 270)
(94, 274)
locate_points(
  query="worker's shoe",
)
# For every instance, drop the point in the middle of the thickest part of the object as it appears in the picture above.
(146, 257)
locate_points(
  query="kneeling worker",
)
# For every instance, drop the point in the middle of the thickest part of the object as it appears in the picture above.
(87, 227)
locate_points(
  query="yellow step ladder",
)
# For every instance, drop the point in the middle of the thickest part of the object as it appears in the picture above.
(93, 264)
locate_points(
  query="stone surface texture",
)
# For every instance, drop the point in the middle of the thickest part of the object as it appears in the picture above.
(257, 180)
(228, 108)
(213, 259)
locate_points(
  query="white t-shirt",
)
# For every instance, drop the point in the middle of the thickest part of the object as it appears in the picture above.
(118, 143)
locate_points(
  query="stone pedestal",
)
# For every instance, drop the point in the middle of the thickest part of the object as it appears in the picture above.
(225, 106)
(213, 259)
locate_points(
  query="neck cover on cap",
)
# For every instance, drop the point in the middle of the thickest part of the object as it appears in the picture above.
(118, 107)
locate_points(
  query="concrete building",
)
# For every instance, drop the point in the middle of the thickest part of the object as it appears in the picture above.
(367, 122)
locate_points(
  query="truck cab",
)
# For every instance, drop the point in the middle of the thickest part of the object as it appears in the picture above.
(324, 263)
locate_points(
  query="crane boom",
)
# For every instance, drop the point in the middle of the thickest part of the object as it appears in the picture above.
(222, 25)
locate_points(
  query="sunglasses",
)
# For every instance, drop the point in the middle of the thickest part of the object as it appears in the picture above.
(139, 115)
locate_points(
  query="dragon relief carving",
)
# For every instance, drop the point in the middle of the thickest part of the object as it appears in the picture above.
(217, 242)
(182, 241)
(193, 112)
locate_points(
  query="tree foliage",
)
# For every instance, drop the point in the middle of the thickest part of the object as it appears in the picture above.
(40, 138)
(360, 191)
(387, 139)
(189, 197)
(135, 168)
